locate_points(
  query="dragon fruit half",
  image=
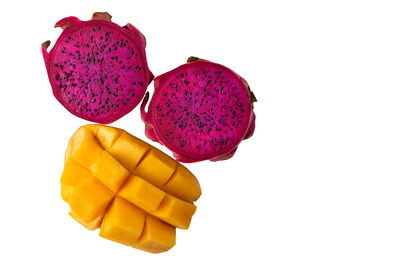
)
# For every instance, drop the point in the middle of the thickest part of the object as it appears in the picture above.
(200, 110)
(97, 69)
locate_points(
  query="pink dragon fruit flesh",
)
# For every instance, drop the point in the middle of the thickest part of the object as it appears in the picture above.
(97, 69)
(200, 111)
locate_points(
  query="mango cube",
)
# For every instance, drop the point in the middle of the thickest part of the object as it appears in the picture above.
(85, 149)
(133, 192)
(92, 225)
(106, 135)
(72, 175)
(156, 167)
(66, 192)
(183, 184)
(142, 193)
(175, 211)
(129, 150)
(157, 236)
(123, 222)
(90, 199)
(109, 171)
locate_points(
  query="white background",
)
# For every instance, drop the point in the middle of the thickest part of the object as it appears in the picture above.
(317, 185)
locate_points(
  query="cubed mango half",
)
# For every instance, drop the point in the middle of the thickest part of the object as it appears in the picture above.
(133, 192)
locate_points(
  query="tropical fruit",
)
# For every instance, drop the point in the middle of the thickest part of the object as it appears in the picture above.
(200, 110)
(135, 193)
(98, 69)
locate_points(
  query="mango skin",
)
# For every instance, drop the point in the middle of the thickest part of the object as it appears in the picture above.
(133, 192)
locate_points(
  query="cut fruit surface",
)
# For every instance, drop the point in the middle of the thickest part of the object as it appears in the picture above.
(200, 111)
(123, 222)
(157, 236)
(135, 193)
(97, 69)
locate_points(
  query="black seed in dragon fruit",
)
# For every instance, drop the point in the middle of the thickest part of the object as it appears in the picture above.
(200, 111)
(97, 69)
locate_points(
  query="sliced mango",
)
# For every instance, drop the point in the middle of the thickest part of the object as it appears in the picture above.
(109, 171)
(72, 175)
(175, 211)
(85, 148)
(142, 193)
(135, 193)
(123, 222)
(129, 150)
(90, 199)
(106, 135)
(157, 236)
(156, 167)
(183, 184)
(66, 192)
(94, 224)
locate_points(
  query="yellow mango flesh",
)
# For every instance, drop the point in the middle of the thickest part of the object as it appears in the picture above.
(157, 236)
(175, 211)
(106, 135)
(92, 225)
(156, 167)
(183, 184)
(85, 148)
(135, 193)
(72, 175)
(142, 193)
(90, 199)
(123, 222)
(109, 171)
(129, 150)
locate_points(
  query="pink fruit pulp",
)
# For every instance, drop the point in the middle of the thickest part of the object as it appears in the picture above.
(98, 70)
(200, 110)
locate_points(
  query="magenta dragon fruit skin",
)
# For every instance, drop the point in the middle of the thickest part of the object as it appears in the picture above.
(97, 69)
(200, 111)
